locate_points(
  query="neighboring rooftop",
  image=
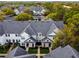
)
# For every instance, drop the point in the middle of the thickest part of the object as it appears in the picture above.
(18, 51)
(63, 52)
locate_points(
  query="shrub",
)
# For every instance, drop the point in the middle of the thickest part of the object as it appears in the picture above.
(2, 16)
(8, 11)
(23, 17)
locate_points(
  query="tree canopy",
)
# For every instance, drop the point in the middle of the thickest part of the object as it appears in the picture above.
(23, 17)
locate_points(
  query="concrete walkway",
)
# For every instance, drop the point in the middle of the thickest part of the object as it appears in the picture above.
(27, 49)
(10, 48)
(3, 54)
(38, 53)
(50, 49)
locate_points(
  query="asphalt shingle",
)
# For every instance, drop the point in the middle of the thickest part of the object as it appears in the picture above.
(18, 51)
(63, 52)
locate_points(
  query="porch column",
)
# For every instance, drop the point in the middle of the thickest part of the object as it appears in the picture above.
(27, 48)
(50, 48)
(34, 44)
(42, 44)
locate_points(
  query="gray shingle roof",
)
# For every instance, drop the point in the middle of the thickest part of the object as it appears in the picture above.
(1, 29)
(30, 31)
(41, 26)
(36, 8)
(14, 26)
(45, 27)
(59, 24)
(8, 18)
(21, 7)
(18, 51)
(63, 52)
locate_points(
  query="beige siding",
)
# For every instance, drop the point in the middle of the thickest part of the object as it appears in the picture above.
(46, 44)
(42, 44)
(30, 44)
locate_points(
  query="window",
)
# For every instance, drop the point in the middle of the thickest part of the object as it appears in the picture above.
(39, 34)
(16, 35)
(16, 40)
(73, 56)
(23, 44)
(19, 40)
(7, 35)
(49, 44)
(7, 40)
(47, 40)
(32, 45)
(13, 40)
(29, 40)
(50, 35)
(27, 44)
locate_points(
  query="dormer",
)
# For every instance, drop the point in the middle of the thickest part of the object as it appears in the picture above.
(16, 11)
(37, 12)
(40, 36)
(21, 8)
(7, 35)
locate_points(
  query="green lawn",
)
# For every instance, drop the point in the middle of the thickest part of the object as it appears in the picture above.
(44, 50)
(4, 49)
(32, 50)
(41, 56)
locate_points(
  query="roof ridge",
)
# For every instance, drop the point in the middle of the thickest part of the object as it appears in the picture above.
(51, 25)
(72, 49)
(26, 27)
(49, 28)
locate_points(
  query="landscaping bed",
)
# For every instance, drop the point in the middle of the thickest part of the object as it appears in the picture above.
(44, 50)
(32, 50)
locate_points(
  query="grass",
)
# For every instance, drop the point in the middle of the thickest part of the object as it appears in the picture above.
(32, 50)
(4, 49)
(44, 50)
(41, 56)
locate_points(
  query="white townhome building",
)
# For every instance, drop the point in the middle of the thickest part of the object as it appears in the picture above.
(29, 33)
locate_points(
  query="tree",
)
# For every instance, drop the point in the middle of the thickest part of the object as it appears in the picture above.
(52, 16)
(23, 17)
(64, 37)
(2, 16)
(8, 11)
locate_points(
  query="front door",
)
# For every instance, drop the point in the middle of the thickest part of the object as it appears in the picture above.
(38, 44)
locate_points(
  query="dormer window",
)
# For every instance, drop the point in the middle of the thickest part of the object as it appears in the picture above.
(7, 40)
(29, 40)
(39, 34)
(7, 35)
(47, 40)
(16, 35)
